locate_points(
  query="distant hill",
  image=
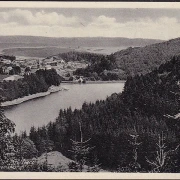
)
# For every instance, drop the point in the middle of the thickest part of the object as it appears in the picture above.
(75, 42)
(37, 52)
(130, 61)
(139, 60)
(78, 56)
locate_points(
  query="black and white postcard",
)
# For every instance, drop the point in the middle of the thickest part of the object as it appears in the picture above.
(89, 89)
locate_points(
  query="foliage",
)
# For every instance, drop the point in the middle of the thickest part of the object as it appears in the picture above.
(6, 146)
(30, 84)
(24, 147)
(80, 150)
(142, 60)
(80, 56)
(101, 69)
(150, 103)
(130, 61)
(143, 104)
(162, 156)
(12, 58)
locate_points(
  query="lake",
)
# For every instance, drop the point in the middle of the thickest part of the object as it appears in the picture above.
(41, 111)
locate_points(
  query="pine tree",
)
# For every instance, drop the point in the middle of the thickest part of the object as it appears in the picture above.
(162, 156)
(96, 165)
(46, 146)
(80, 150)
(135, 166)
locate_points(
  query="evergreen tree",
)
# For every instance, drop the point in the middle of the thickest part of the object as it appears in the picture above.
(7, 152)
(134, 165)
(162, 157)
(80, 150)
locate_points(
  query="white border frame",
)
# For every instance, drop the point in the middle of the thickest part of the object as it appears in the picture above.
(52, 175)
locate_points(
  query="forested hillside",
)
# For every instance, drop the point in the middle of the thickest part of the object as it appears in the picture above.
(104, 68)
(124, 63)
(145, 59)
(135, 131)
(100, 67)
(29, 84)
(126, 129)
(79, 56)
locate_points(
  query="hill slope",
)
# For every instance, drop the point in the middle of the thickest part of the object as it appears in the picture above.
(129, 62)
(77, 41)
(144, 107)
(144, 59)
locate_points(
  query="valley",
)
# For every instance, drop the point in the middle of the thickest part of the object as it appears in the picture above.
(124, 96)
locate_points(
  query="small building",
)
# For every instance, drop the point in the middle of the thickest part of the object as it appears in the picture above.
(34, 67)
(51, 58)
(80, 80)
(47, 67)
(53, 63)
(5, 61)
(6, 69)
(62, 61)
(49, 61)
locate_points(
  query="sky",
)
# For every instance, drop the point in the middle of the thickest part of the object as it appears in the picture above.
(91, 22)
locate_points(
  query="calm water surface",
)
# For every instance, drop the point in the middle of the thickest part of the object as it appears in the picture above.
(41, 111)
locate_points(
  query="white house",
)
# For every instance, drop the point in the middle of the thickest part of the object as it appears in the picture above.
(47, 67)
(80, 80)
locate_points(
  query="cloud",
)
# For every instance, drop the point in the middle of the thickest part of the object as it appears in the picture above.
(26, 17)
(103, 21)
(54, 24)
(161, 28)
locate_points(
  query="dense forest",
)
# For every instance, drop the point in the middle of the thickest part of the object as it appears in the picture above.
(100, 67)
(141, 60)
(128, 62)
(134, 131)
(30, 84)
(79, 56)
(12, 58)
(104, 68)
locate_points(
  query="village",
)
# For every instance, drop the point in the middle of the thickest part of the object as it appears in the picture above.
(13, 68)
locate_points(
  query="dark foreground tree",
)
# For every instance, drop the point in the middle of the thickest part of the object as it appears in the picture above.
(162, 158)
(80, 150)
(6, 146)
(134, 165)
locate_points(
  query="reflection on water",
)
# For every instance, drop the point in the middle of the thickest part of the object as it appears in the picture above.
(40, 111)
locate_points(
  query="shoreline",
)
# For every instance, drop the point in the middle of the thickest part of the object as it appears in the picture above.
(52, 89)
(93, 82)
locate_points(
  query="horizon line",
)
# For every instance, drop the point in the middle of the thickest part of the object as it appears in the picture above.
(83, 37)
